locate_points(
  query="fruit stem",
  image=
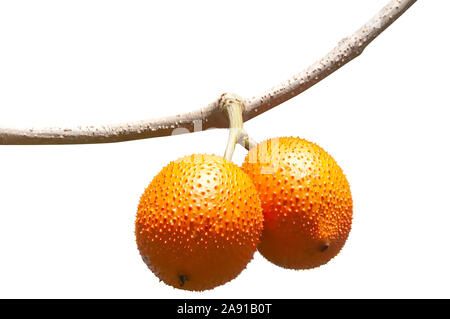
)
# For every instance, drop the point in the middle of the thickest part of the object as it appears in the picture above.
(233, 106)
(246, 141)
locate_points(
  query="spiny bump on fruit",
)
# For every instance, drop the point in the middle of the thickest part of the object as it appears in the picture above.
(306, 202)
(199, 222)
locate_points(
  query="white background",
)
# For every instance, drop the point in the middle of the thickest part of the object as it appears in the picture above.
(67, 212)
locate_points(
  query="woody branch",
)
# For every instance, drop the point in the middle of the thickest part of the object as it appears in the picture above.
(213, 115)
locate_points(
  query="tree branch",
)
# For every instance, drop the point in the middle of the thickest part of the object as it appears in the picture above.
(213, 115)
(346, 50)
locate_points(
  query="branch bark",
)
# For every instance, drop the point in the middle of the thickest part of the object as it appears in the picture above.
(213, 116)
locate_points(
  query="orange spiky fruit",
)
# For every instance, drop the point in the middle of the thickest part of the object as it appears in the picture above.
(199, 222)
(306, 202)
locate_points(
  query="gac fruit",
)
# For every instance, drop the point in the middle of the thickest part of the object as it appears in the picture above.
(306, 202)
(199, 222)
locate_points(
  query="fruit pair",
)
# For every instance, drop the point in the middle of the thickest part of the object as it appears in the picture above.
(201, 219)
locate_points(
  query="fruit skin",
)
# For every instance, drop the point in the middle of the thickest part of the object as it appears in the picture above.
(199, 222)
(306, 202)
